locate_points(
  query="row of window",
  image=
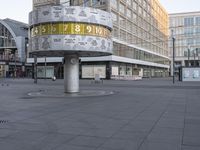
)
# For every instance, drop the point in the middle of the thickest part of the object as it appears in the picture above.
(187, 33)
(183, 51)
(137, 25)
(187, 41)
(185, 21)
(134, 27)
(6, 39)
(143, 39)
(129, 52)
(146, 10)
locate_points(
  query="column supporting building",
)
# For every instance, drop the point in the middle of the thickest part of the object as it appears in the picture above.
(71, 74)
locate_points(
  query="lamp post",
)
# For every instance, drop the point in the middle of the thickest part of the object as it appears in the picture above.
(45, 65)
(197, 52)
(173, 60)
(188, 55)
(194, 57)
(15, 66)
(35, 69)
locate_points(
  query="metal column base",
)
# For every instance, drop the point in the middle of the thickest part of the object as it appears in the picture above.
(71, 74)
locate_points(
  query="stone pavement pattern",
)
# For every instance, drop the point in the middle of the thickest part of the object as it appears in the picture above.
(152, 114)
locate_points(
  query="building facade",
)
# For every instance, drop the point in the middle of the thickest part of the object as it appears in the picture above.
(140, 37)
(13, 48)
(186, 31)
(140, 40)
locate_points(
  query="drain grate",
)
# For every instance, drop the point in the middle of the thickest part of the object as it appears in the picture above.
(27, 97)
(3, 121)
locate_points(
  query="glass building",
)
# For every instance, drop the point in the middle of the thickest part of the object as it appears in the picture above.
(186, 29)
(140, 37)
(13, 48)
(140, 40)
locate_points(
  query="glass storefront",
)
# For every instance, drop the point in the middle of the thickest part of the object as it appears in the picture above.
(129, 52)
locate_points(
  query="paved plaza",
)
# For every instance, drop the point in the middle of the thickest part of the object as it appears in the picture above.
(152, 114)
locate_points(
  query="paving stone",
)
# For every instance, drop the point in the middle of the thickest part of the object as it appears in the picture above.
(152, 114)
(70, 147)
(117, 144)
(87, 141)
(191, 140)
(159, 146)
(190, 147)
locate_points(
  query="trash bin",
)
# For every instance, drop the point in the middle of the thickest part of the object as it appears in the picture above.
(53, 78)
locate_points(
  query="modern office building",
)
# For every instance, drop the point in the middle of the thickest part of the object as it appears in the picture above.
(186, 31)
(13, 48)
(140, 40)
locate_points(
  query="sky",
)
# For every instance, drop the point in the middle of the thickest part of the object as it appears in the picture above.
(176, 6)
(19, 9)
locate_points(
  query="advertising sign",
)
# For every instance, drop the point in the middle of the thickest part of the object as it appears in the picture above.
(191, 74)
(41, 72)
(89, 71)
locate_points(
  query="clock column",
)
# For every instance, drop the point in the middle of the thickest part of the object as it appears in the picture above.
(71, 73)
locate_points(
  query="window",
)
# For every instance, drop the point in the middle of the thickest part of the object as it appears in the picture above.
(114, 4)
(188, 21)
(197, 20)
(134, 17)
(198, 41)
(122, 8)
(134, 5)
(129, 2)
(197, 30)
(115, 32)
(129, 13)
(65, 2)
(144, 4)
(144, 14)
(148, 8)
(129, 38)
(122, 22)
(123, 35)
(190, 41)
(140, 10)
(114, 17)
(129, 25)
(188, 31)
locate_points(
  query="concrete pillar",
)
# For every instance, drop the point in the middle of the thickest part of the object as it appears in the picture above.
(71, 74)
(6, 70)
(183, 63)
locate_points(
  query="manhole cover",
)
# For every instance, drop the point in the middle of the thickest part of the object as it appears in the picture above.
(3, 121)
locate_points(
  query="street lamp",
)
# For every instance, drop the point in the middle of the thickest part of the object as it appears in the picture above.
(197, 53)
(45, 67)
(188, 55)
(194, 53)
(13, 52)
(35, 69)
(173, 61)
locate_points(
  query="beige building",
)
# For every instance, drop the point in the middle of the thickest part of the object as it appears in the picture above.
(186, 28)
(140, 39)
(140, 35)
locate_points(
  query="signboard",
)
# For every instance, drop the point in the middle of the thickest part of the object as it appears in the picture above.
(89, 71)
(190, 74)
(44, 2)
(41, 71)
